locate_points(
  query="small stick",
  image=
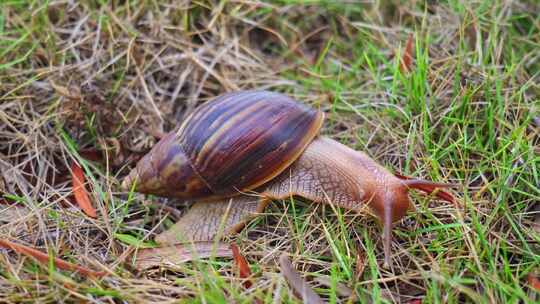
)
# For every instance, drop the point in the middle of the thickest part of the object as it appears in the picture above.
(44, 258)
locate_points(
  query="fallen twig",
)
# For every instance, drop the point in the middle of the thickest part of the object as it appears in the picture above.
(44, 258)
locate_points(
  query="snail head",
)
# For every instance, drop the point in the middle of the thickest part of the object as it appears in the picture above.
(391, 202)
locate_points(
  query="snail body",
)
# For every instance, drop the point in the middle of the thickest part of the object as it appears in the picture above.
(266, 143)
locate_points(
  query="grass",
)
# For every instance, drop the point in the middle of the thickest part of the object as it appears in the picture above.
(467, 112)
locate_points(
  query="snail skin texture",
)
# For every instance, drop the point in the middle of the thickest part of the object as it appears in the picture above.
(238, 152)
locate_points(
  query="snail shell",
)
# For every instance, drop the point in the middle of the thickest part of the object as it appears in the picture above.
(233, 143)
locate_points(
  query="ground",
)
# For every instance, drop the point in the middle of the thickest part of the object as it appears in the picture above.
(442, 90)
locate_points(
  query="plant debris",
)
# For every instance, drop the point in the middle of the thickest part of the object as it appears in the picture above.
(407, 56)
(79, 190)
(45, 258)
(534, 282)
(171, 256)
(300, 287)
(243, 268)
(360, 265)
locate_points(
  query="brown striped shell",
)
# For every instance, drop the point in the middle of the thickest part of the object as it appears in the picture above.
(235, 142)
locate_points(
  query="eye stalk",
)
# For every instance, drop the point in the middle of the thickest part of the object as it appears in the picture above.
(392, 202)
(429, 187)
(390, 205)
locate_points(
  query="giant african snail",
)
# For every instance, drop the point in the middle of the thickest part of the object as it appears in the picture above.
(264, 142)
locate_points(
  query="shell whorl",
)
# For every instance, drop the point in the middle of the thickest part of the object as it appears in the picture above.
(240, 140)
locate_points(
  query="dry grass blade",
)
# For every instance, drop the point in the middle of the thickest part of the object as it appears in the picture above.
(297, 283)
(536, 219)
(66, 92)
(12, 212)
(44, 258)
(360, 265)
(407, 57)
(81, 196)
(243, 267)
(341, 289)
(181, 253)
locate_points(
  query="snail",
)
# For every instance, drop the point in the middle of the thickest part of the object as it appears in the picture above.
(239, 151)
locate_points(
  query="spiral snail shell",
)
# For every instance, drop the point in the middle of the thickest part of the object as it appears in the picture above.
(236, 142)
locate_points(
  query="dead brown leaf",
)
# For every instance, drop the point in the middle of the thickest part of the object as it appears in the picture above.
(534, 282)
(44, 258)
(181, 253)
(300, 287)
(407, 57)
(243, 267)
(81, 196)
